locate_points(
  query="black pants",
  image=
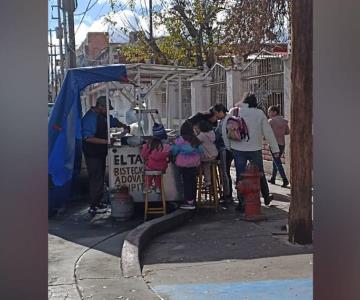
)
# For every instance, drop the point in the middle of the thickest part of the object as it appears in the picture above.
(96, 171)
(188, 176)
(229, 159)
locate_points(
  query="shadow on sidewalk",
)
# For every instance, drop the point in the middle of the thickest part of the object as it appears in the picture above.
(282, 197)
(77, 226)
(211, 236)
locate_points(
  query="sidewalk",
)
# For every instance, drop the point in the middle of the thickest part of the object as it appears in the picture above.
(219, 256)
(84, 258)
(212, 256)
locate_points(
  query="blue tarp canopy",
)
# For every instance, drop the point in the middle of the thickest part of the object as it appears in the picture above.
(65, 120)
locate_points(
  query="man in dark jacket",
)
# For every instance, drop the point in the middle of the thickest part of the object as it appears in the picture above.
(208, 116)
(215, 116)
(225, 156)
(95, 149)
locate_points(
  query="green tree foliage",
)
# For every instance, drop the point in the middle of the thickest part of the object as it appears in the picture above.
(197, 32)
(198, 27)
(252, 23)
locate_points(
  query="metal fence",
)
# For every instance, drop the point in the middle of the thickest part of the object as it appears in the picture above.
(185, 100)
(264, 76)
(217, 83)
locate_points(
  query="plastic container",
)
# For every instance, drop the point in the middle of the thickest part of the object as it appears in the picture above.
(122, 204)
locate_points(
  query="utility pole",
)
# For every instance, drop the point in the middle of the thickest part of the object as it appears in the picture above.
(60, 36)
(72, 55)
(151, 27)
(51, 63)
(300, 214)
(72, 35)
(55, 71)
(66, 62)
(151, 20)
(69, 6)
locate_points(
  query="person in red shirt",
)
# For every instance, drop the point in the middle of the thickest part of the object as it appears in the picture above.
(281, 128)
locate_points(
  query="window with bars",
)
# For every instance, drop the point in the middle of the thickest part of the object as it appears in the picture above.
(163, 102)
(186, 101)
(265, 78)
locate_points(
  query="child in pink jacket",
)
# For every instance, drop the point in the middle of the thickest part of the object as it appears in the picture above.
(210, 152)
(156, 156)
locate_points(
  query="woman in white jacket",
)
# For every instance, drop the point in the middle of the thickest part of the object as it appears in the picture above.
(251, 150)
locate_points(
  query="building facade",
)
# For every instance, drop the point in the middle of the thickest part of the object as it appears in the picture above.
(110, 55)
(91, 47)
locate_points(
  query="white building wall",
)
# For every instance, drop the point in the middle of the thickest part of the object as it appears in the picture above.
(200, 96)
(235, 87)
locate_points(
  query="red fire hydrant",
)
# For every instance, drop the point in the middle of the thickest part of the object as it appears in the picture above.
(249, 187)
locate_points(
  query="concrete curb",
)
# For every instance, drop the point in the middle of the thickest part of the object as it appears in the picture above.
(138, 238)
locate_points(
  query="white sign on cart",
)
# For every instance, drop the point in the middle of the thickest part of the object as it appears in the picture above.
(126, 168)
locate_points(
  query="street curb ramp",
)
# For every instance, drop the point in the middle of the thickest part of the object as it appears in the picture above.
(138, 238)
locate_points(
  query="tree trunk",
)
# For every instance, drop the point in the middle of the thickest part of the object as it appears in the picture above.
(198, 51)
(159, 57)
(210, 52)
(195, 34)
(300, 215)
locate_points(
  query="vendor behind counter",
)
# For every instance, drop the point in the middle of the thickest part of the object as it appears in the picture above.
(95, 148)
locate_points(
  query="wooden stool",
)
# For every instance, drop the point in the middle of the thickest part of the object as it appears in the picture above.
(155, 210)
(209, 198)
(219, 180)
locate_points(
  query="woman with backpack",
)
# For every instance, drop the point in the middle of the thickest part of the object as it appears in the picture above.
(247, 144)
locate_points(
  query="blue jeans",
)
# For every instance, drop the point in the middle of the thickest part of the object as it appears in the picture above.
(241, 158)
(277, 165)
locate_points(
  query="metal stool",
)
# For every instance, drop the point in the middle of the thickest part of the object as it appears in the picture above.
(155, 210)
(209, 198)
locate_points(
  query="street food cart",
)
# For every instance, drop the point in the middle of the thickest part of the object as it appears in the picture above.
(126, 166)
(135, 83)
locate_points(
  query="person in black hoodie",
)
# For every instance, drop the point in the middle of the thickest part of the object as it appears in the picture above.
(208, 116)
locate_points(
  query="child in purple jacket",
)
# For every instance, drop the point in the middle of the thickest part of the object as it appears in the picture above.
(187, 149)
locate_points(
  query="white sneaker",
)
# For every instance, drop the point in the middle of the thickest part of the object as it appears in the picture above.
(158, 190)
(188, 205)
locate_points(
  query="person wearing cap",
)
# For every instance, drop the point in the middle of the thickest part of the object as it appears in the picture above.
(95, 149)
(225, 155)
